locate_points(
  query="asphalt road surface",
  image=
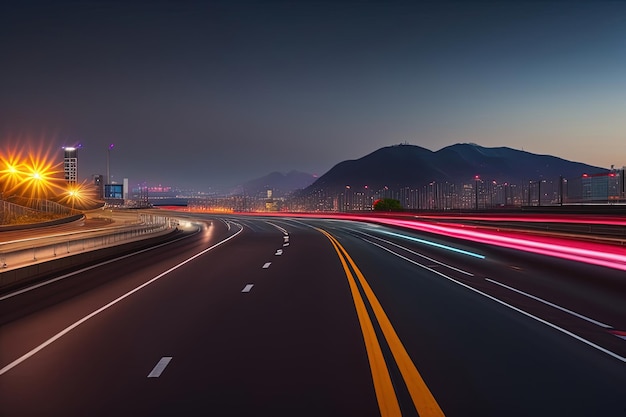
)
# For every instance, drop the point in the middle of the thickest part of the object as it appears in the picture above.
(310, 317)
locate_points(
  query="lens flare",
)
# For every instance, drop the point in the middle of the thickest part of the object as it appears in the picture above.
(79, 196)
(12, 172)
(41, 179)
(34, 176)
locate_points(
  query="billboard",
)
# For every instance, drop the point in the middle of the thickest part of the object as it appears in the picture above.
(114, 191)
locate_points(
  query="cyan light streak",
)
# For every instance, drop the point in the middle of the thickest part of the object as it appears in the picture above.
(437, 245)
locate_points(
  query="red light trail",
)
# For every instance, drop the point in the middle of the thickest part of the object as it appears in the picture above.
(610, 256)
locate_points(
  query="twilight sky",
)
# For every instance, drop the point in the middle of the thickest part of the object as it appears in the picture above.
(209, 93)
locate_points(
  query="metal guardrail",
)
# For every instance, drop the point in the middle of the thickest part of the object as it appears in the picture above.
(18, 254)
(29, 210)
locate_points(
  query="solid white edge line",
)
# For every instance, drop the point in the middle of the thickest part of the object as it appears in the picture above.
(247, 288)
(160, 367)
(558, 307)
(547, 323)
(106, 306)
(41, 284)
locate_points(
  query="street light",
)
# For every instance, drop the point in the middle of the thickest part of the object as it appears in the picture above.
(73, 195)
(539, 191)
(108, 163)
(39, 179)
(11, 177)
(12, 174)
(476, 179)
(432, 196)
(530, 186)
(32, 178)
(79, 196)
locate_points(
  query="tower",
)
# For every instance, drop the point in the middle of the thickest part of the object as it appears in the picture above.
(70, 164)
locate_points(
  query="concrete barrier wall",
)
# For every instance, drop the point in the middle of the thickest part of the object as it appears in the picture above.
(18, 277)
(21, 255)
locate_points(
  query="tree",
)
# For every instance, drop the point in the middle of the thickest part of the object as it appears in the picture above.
(387, 204)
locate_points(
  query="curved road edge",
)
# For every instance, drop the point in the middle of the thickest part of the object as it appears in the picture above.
(14, 279)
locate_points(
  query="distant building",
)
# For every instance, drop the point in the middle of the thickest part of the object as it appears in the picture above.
(606, 187)
(98, 182)
(125, 189)
(622, 184)
(114, 192)
(70, 164)
(270, 204)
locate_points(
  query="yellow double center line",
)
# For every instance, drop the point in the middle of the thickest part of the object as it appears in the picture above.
(424, 402)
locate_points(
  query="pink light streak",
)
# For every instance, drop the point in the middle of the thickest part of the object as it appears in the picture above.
(592, 253)
(605, 255)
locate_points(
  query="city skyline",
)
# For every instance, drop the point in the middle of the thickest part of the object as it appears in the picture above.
(215, 94)
(64, 166)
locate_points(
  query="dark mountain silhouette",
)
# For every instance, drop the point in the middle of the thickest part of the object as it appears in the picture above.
(413, 166)
(280, 184)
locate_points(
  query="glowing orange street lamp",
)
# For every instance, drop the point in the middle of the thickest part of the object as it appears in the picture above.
(78, 196)
(11, 176)
(33, 176)
(73, 196)
(41, 179)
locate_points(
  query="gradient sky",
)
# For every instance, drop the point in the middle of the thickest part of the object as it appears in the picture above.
(204, 94)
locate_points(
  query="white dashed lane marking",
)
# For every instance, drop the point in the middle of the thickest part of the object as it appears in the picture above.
(160, 367)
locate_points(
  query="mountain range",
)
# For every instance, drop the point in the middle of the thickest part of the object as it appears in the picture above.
(413, 166)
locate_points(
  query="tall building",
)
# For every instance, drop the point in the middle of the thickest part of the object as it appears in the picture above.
(98, 182)
(125, 193)
(70, 164)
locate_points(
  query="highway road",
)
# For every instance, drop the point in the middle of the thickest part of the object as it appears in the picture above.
(316, 317)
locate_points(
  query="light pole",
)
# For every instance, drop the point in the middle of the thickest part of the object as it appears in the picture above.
(506, 197)
(539, 193)
(530, 183)
(108, 163)
(476, 179)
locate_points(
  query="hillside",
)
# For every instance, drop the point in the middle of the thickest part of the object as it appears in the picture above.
(413, 166)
